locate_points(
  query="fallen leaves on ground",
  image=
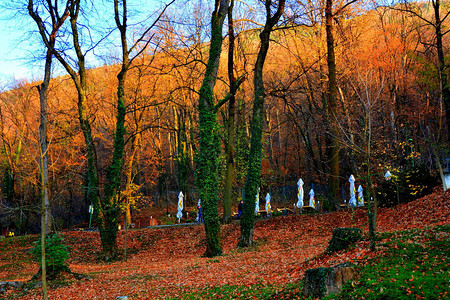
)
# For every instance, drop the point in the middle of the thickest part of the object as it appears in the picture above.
(168, 261)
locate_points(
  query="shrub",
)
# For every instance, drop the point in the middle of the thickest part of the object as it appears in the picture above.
(408, 184)
(343, 237)
(56, 254)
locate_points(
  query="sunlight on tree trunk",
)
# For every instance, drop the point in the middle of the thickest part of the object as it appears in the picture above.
(49, 39)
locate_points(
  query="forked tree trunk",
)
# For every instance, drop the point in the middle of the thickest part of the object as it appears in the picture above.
(254, 164)
(49, 41)
(207, 158)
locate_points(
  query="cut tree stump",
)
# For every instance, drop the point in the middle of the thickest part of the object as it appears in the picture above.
(343, 237)
(321, 282)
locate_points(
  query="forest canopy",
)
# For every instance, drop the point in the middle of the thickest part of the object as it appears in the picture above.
(391, 111)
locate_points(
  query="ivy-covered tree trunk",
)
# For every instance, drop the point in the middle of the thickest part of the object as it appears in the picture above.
(110, 204)
(113, 196)
(254, 163)
(207, 158)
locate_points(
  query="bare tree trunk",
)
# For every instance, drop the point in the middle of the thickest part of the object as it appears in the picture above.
(231, 126)
(49, 39)
(443, 78)
(45, 222)
(331, 114)
(43, 93)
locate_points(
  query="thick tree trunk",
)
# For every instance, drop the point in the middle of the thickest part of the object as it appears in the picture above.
(111, 209)
(255, 156)
(207, 158)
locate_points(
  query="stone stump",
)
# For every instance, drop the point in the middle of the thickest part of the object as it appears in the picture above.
(321, 282)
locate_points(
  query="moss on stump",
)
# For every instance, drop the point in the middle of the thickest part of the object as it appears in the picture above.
(343, 237)
(321, 282)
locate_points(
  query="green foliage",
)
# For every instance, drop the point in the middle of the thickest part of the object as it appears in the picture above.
(316, 277)
(253, 180)
(407, 184)
(343, 237)
(277, 213)
(168, 220)
(255, 291)
(209, 143)
(206, 175)
(56, 253)
(414, 266)
(325, 203)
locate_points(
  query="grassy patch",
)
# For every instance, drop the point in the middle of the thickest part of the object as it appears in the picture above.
(415, 265)
(260, 242)
(258, 291)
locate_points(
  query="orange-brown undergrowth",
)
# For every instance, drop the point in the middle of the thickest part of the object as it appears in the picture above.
(164, 262)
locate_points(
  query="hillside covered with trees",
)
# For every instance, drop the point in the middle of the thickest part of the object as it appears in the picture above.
(222, 101)
(389, 108)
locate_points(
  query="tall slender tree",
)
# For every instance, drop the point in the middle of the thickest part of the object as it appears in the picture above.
(207, 158)
(79, 78)
(331, 106)
(254, 164)
(109, 207)
(48, 32)
(106, 207)
(234, 83)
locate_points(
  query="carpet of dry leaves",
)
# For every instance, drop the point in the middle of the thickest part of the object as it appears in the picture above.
(167, 261)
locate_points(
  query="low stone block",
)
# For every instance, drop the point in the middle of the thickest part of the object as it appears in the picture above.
(321, 282)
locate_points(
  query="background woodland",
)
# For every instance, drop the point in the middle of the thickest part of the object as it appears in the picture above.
(390, 111)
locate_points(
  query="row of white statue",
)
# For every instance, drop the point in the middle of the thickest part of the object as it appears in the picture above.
(356, 199)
